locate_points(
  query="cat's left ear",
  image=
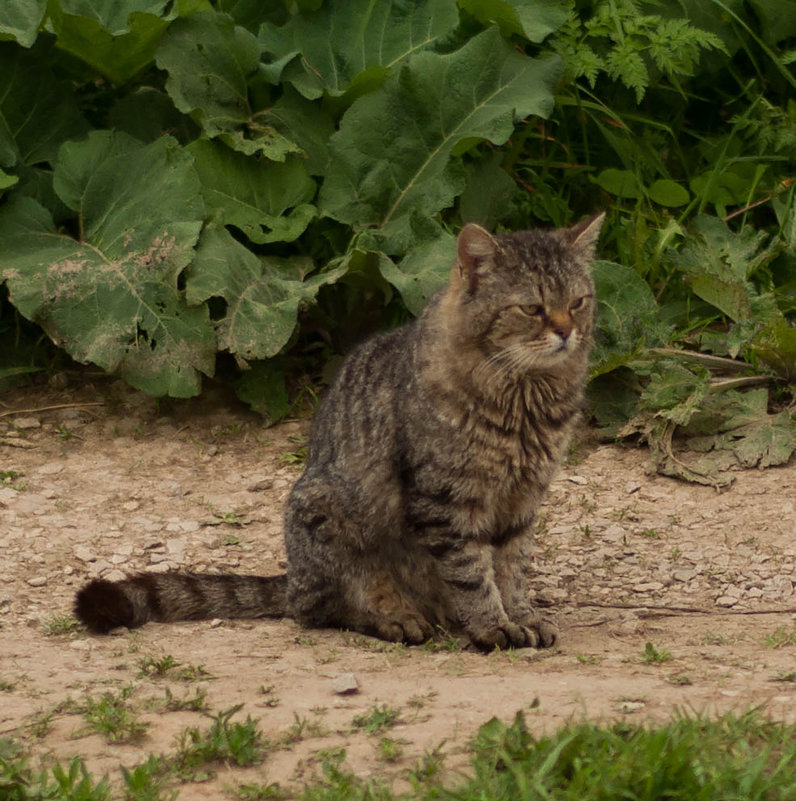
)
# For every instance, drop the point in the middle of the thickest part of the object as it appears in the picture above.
(476, 250)
(582, 237)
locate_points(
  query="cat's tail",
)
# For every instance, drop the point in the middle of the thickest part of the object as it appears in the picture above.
(103, 605)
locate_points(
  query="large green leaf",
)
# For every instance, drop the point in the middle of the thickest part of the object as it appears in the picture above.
(118, 38)
(263, 294)
(627, 317)
(392, 154)
(111, 297)
(718, 262)
(254, 194)
(38, 110)
(422, 272)
(20, 20)
(533, 19)
(210, 61)
(358, 41)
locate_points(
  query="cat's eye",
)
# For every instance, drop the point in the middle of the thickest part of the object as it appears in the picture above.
(532, 310)
(578, 304)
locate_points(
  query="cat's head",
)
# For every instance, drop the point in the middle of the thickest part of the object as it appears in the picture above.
(526, 299)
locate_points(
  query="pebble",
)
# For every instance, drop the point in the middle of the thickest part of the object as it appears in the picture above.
(27, 423)
(344, 684)
(37, 581)
(84, 554)
(726, 600)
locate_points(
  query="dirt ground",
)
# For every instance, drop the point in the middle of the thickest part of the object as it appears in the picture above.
(112, 482)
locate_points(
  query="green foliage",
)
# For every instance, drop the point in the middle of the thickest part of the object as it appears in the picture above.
(273, 181)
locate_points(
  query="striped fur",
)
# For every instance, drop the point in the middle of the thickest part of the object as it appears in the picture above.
(428, 459)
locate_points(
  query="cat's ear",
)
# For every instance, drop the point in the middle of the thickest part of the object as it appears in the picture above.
(582, 237)
(476, 250)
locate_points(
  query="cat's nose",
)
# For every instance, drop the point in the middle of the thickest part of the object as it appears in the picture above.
(562, 327)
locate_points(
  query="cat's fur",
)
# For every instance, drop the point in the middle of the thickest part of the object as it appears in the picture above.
(428, 459)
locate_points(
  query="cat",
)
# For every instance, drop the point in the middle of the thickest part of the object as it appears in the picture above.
(428, 459)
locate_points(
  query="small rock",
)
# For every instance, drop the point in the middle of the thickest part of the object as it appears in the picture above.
(50, 469)
(27, 423)
(344, 684)
(130, 506)
(115, 575)
(37, 581)
(726, 600)
(683, 574)
(84, 554)
(632, 486)
(216, 622)
(582, 480)
(80, 645)
(647, 586)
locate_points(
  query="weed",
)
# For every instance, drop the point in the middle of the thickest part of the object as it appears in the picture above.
(58, 625)
(676, 554)
(443, 641)
(389, 749)
(71, 783)
(653, 656)
(302, 729)
(226, 742)
(419, 701)
(270, 697)
(785, 675)
(195, 703)
(156, 667)
(261, 792)
(380, 718)
(711, 638)
(681, 681)
(8, 477)
(588, 659)
(64, 433)
(782, 637)
(651, 533)
(111, 716)
(429, 767)
(6, 686)
(188, 673)
(585, 531)
(298, 455)
(146, 782)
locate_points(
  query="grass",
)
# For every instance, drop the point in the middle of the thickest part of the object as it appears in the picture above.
(734, 756)
(224, 742)
(58, 625)
(112, 717)
(380, 718)
(655, 656)
(783, 636)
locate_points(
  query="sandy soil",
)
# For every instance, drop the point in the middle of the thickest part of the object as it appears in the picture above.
(624, 559)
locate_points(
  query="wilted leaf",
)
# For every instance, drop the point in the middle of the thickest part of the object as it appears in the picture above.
(383, 169)
(355, 40)
(532, 19)
(253, 194)
(20, 20)
(111, 297)
(38, 110)
(263, 295)
(210, 61)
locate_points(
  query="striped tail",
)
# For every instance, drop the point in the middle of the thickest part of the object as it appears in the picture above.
(103, 605)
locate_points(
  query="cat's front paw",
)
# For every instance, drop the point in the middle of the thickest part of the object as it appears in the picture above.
(540, 634)
(410, 629)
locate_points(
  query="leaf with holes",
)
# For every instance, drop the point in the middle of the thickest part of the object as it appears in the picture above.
(263, 295)
(111, 296)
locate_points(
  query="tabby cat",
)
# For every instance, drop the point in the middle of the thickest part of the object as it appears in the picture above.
(428, 459)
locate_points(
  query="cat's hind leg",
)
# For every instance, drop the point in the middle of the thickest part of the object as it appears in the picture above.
(337, 576)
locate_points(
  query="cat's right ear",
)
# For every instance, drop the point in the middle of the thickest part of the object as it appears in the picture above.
(476, 250)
